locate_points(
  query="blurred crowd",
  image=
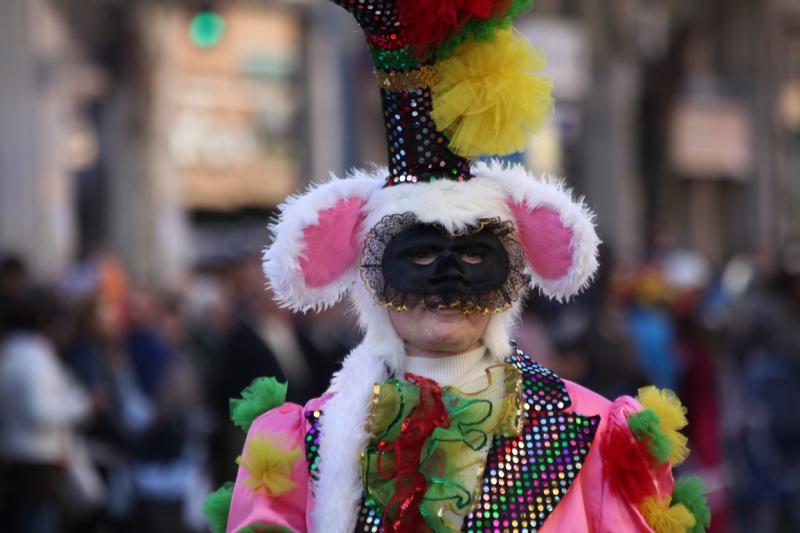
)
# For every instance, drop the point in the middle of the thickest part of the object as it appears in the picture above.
(114, 397)
(727, 341)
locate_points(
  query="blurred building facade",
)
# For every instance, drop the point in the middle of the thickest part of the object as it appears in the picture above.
(38, 80)
(680, 138)
(167, 139)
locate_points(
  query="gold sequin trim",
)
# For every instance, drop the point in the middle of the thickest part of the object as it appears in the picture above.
(408, 80)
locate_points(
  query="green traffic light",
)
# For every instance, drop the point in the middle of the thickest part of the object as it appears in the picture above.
(206, 29)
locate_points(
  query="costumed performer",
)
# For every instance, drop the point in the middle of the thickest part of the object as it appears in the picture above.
(436, 421)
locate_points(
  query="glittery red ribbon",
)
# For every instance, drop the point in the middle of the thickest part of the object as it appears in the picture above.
(402, 512)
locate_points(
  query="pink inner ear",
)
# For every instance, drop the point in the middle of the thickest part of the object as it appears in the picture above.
(331, 245)
(547, 242)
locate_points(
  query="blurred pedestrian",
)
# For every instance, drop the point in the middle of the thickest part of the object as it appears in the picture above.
(652, 329)
(765, 434)
(168, 456)
(40, 407)
(13, 281)
(149, 351)
(687, 276)
(96, 356)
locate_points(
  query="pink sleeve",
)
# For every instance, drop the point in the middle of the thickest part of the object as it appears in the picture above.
(620, 474)
(285, 424)
(603, 497)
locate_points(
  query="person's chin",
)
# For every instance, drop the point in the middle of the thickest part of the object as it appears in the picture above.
(447, 326)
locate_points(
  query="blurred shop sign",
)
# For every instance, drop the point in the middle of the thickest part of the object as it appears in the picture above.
(566, 46)
(711, 139)
(790, 105)
(231, 110)
(206, 28)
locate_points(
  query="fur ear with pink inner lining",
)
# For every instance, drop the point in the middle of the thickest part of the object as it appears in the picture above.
(312, 261)
(546, 240)
(556, 231)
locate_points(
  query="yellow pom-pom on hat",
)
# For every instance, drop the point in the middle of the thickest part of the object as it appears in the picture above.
(269, 464)
(663, 517)
(487, 99)
(672, 418)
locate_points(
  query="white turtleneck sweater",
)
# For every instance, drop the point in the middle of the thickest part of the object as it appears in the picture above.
(454, 370)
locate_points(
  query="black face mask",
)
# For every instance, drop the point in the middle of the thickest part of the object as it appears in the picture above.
(423, 259)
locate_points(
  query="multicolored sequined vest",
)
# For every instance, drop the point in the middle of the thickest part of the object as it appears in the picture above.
(525, 476)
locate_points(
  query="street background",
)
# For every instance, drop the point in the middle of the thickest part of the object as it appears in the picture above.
(144, 146)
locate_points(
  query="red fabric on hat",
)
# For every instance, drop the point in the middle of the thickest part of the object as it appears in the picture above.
(427, 23)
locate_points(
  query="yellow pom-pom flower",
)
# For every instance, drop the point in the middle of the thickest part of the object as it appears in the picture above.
(672, 419)
(488, 99)
(269, 464)
(664, 517)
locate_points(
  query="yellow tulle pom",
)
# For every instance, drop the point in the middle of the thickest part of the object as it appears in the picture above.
(665, 518)
(672, 419)
(269, 464)
(488, 99)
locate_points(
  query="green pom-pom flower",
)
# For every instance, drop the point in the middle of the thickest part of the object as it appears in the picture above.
(259, 397)
(691, 492)
(216, 507)
(645, 427)
(482, 30)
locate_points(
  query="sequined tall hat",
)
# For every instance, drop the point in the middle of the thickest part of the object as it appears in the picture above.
(455, 82)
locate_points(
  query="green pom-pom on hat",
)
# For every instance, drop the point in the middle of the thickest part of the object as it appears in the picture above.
(691, 492)
(645, 426)
(257, 398)
(482, 30)
(216, 507)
